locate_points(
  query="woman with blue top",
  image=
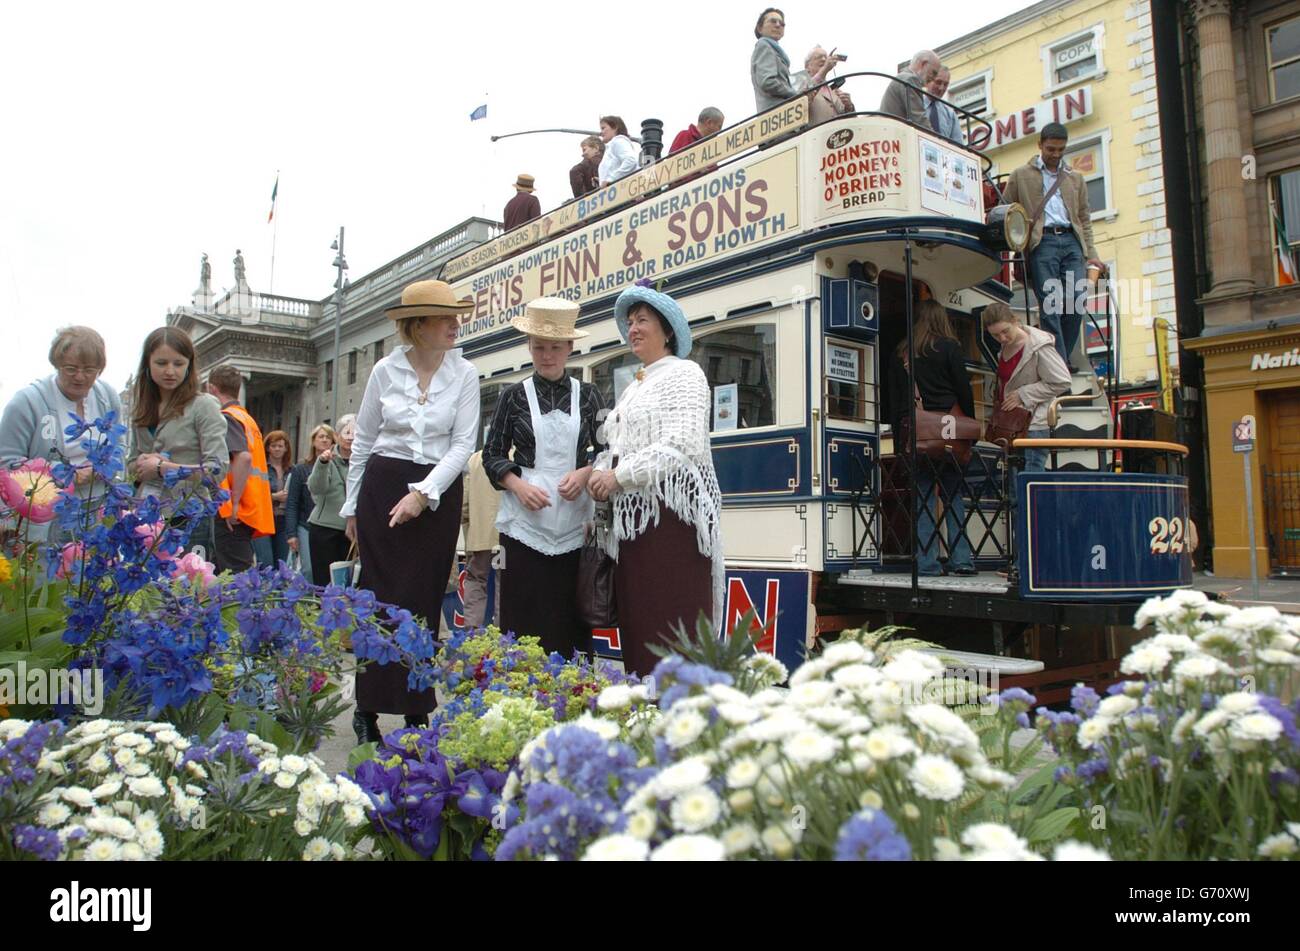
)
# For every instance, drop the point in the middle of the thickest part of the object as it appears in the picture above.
(658, 475)
(34, 421)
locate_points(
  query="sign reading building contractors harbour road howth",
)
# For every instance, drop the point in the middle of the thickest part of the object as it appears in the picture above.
(673, 168)
(732, 210)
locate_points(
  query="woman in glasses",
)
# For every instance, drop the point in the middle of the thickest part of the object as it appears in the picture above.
(34, 421)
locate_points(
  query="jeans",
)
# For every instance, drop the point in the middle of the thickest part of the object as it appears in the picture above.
(234, 547)
(1059, 273)
(1036, 459)
(272, 549)
(927, 543)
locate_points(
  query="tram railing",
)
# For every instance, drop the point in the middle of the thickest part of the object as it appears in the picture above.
(889, 512)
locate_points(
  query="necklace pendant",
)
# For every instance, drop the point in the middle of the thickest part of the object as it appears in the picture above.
(423, 398)
(640, 374)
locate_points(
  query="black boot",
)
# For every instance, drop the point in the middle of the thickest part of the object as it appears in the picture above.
(366, 727)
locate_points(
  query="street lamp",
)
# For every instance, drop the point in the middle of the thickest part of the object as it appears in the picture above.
(341, 264)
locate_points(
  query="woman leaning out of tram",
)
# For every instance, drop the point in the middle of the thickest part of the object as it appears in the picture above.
(415, 431)
(1031, 373)
(658, 473)
(549, 420)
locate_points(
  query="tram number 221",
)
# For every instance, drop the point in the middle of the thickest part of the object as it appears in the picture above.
(1167, 536)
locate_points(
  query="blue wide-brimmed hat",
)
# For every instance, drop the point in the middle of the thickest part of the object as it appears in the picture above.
(665, 305)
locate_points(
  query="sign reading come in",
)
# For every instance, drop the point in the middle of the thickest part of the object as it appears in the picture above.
(730, 211)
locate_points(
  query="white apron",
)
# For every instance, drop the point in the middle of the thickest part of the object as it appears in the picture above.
(558, 528)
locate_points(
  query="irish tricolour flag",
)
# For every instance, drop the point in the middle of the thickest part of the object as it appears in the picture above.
(274, 189)
(1286, 269)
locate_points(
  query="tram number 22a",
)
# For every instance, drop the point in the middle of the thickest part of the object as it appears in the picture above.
(1167, 536)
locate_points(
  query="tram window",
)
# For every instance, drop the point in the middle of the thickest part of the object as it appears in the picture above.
(612, 376)
(745, 356)
(489, 396)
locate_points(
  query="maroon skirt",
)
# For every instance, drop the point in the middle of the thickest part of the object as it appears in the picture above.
(661, 581)
(539, 598)
(407, 566)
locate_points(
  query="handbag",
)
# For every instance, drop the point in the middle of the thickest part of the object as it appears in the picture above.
(1005, 426)
(345, 573)
(597, 607)
(939, 435)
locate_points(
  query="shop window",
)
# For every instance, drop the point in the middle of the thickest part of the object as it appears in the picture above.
(1284, 207)
(612, 376)
(740, 365)
(1284, 59)
(1090, 158)
(379, 350)
(1074, 58)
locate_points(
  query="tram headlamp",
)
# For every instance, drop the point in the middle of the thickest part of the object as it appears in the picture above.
(1008, 227)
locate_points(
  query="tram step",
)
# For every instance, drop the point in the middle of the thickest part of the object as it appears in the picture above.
(1082, 383)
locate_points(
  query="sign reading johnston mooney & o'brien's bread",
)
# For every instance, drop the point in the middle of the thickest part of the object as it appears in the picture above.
(673, 168)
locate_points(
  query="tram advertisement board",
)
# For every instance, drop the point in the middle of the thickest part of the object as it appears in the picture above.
(779, 600)
(728, 212)
(868, 167)
(1108, 536)
(676, 167)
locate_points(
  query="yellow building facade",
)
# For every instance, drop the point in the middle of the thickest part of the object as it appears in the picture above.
(1090, 65)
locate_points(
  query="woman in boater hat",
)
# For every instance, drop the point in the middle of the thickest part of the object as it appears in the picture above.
(415, 431)
(550, 421)
(659, 475)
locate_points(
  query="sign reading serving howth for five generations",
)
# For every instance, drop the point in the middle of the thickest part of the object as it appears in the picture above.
(677, 167)
(730, 211)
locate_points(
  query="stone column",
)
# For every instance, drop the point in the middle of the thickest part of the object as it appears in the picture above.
(1228, 245)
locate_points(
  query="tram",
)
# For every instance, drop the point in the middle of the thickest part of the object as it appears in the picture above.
(797, 252)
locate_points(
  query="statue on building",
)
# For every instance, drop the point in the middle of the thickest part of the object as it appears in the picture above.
(203, 296)
(240, 276)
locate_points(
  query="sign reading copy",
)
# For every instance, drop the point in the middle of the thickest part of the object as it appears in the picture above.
(673, 168)
(1066, 108)
(725, 213)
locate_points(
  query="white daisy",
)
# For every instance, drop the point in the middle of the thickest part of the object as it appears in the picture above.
(317, 850)
(642, 824)
(808, 748)
(53, 814)
(809, 671)
(1093, 731)
(152, 843)
(132, 852)
(689, 848)
(743, 773)
(1199, 667)
(353, 815)
(737, 714)
(294, 764)
(941, 724)
(815, 693)
(777, 842)
(147, 787)
(124, 756)
(1146, 661)
(616, 697)
(857, 676)
(1115, 707)
(741, 801)
(146, 822)
(846, 652)
(285, 780)
(888, 742)
(1235, 704)
(724, 694)
(303, 827)
(99, 762)
(829, 717)
(768, 668)
(1280, 846)
(739, 839)
(103, 850)
(993, 837)
(617, 848)
(79, 796)
(936, 778)
(683, 729)
(1277, 658)
(680, 777)
(1255, 728)
(696, 810)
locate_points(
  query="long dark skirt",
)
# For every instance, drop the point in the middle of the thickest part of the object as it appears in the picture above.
(661, 580)
(407, 566)
(538, 598)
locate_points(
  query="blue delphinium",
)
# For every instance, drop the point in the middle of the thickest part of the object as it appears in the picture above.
(593, 778)
(44, 844)
(1084, 700)
(19, 756)
(676, 678)
(871, 836)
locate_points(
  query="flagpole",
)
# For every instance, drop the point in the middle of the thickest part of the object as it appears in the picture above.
(275, 229)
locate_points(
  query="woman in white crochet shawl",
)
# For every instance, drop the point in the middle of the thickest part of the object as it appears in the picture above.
(658, 473)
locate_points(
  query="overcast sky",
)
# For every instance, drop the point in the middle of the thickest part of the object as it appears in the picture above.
(139, 135)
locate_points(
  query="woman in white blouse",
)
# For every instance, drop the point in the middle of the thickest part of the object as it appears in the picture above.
(622, 157)
(658, 473)
(415, 431)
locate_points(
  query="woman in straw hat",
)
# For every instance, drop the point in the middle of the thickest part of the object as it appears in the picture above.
(658, 472)
(414, 433)
(550, 422)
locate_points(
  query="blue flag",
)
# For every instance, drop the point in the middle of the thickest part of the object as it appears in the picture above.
(479, 113)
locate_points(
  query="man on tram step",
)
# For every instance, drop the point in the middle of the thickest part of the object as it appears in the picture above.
(1056, 198)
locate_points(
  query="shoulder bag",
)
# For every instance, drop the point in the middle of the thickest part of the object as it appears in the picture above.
(941, 435)
(597, 607)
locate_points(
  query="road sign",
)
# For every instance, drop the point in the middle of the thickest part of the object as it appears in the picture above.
(1243, 434)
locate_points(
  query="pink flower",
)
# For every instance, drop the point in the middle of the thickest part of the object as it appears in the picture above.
(195, 569)
(30, 490)
(70, 560)
(149, 535)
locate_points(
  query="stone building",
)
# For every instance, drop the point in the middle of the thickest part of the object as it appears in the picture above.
(285, 346)
(1229, 82)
